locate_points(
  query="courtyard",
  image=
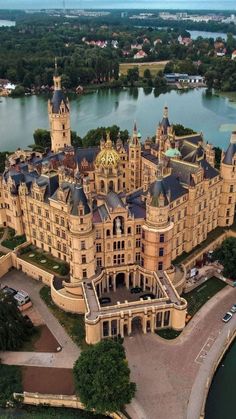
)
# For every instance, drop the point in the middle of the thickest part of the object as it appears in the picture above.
(122, 294)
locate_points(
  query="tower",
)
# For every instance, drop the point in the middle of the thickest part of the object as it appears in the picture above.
(135, 160)
(228, 191)
(59, 116)
(157, 229)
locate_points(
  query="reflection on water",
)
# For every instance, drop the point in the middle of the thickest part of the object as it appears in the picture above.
(221, 402)
(198, 109)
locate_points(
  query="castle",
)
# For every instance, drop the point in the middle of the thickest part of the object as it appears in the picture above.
(119, 214)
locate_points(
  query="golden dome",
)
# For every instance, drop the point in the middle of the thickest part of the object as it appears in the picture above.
(107, 157)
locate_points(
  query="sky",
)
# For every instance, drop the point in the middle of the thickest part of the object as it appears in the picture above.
(117, 4)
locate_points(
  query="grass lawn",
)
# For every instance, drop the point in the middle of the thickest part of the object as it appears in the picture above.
(50, 263)
(13, 241)
(200, 295)
(168, 333)
(46, 412)
(154, 67)
(73, 323)
(10, 382)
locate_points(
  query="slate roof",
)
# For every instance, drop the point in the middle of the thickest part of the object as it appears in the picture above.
(183, 171)
(147, 155)
(228, 157)
(78, 197)
(209, 171)
(158, 189)
(114, 201)
(89, 154)
(57, 98)
(171, 187)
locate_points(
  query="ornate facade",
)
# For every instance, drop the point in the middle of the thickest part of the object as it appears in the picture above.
(119, 214)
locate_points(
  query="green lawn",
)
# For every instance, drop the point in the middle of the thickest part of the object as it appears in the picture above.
(154, 67)
(10, 382)
(46, 412)
(13, 241)
(200, 295)
(51, 264)
(73, 323)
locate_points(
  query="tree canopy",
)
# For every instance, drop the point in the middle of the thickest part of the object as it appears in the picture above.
(226, 254)
(181, 130)
(102, 377)
(14, 328)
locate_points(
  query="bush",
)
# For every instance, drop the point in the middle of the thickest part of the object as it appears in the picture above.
(10, 382)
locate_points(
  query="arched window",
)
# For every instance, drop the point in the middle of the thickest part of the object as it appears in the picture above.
(102, 186)
(111, 185)
(108, 233)
(129, 230)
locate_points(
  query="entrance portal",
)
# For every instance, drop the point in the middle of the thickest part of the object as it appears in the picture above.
(120, 280)
(136, 325)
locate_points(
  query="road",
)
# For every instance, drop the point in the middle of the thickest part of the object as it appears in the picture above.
(165, 371)
(70, 351)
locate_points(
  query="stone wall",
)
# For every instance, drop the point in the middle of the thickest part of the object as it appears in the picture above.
(5, 264)
(57, 401)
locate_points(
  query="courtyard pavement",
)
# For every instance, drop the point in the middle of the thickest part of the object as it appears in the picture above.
(166, 370)
(70, 351)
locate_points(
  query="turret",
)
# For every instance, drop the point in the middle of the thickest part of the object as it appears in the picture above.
(157, 229)
(228, 191)
(81, 232)
(135, 160)
(59, 116)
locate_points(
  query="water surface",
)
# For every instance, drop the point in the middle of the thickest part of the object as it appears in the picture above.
(214, 115)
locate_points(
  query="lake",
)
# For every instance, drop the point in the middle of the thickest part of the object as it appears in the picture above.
(214, 115)
(221, 398)
(7, 23)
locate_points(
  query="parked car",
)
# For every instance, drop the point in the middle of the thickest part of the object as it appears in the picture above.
(227, 317)
(9, 291)
(233, 308)
(104, 300)
(136, 290)
(21, 298)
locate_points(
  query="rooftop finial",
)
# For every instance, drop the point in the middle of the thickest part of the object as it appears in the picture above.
(165, 112)
(56, 72)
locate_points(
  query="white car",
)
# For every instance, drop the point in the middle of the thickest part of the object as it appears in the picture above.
(233, 308)
(227, 317)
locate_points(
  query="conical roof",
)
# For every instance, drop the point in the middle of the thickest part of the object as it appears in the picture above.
(231, 150)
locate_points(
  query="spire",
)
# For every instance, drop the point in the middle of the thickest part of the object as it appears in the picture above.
(108, 142)
(165, 112)
(56, 77)
(135, 127)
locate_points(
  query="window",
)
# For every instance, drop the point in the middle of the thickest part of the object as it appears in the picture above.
(62, 222)
(166, 318)
(137, 257)
(83, 258)
(57, 232)
(227, 221)
(108, 233)
(82, 245)
(46, 214)
(118, 259)
(64, 248)
(32, 220)
(162, 238)
(138, 243)
(41, 237)
(129, 231)
(40, 223)
(48, 227)
(99, 262)
(228, 212)
(231, 188)
(138, 229)
(63, 234)
(98, 247)
(58, 246)
(161, 251)
(105, 329)
(160, 266)
(143, 248)
(81, 220)
(39, 211)
(57, 219)
(84, 273)
(34, 233)
(230, 200)
(49, 240)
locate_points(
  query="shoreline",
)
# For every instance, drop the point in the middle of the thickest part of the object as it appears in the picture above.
(201, 386)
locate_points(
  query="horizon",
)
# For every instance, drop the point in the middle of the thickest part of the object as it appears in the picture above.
(211, 5)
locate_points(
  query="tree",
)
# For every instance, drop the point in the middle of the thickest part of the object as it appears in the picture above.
(102, 377)
(147, 74)
(42, 138)
(181, 130)
(226, 254)
(218, 153)
(14, 328)
(133, 75)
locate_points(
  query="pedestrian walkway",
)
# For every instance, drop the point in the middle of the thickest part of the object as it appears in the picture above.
(70, 351)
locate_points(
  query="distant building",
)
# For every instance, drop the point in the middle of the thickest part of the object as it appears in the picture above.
(140, 55)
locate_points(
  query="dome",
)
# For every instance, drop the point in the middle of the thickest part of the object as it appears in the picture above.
(108, 157)
(172, 152)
